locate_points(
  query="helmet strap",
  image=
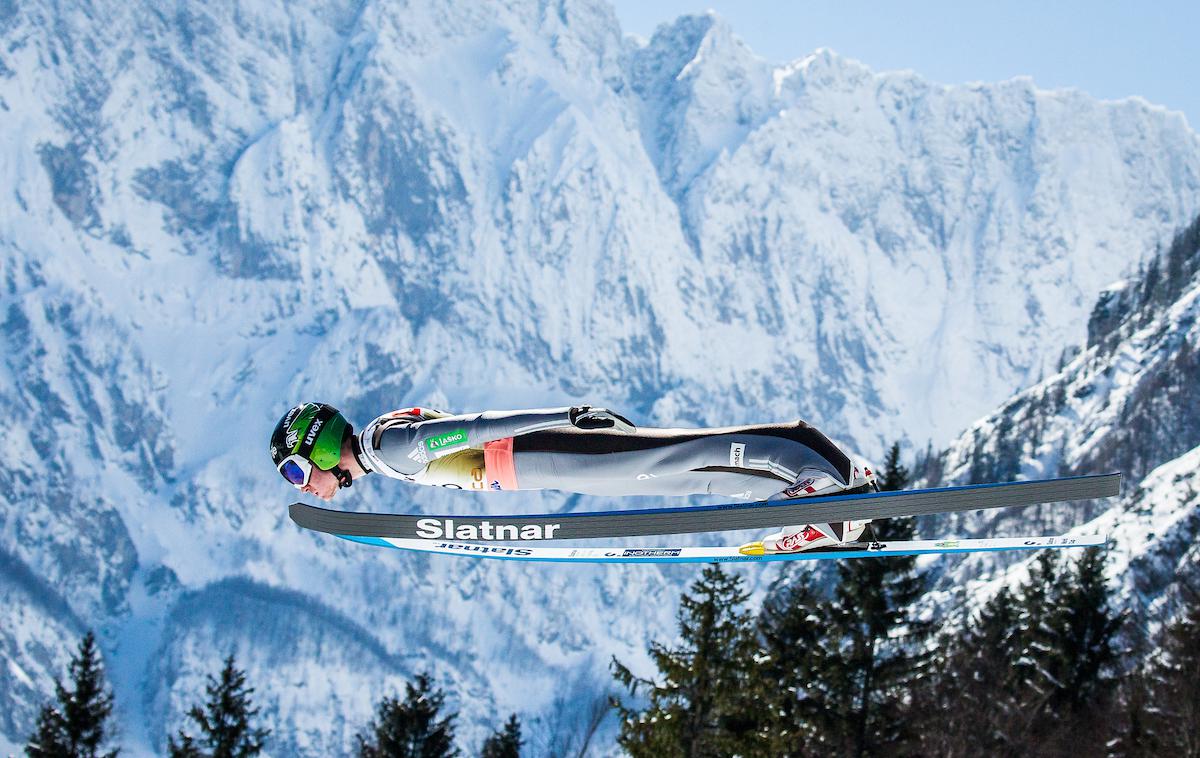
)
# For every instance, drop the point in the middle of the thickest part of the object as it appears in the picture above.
(356, 448)
(343, 477)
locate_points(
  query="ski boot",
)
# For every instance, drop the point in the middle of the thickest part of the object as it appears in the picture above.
(795, 539)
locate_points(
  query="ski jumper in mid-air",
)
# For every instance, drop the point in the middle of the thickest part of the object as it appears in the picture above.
(581, 449)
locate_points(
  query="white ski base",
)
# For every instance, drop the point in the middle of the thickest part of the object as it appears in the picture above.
(620, 554)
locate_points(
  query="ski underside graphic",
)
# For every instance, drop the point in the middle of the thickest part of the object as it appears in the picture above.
(476, 536)
(620, 554)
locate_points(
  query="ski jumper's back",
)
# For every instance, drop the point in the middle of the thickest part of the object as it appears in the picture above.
(542, 449)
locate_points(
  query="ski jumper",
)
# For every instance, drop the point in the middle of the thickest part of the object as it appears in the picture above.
(541, 449)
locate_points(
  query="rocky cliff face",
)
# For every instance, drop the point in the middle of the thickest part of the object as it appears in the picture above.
(216, 210)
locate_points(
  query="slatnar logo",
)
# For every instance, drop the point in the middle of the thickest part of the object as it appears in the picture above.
(446, 529)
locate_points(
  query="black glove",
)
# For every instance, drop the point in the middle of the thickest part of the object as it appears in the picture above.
(587, 417)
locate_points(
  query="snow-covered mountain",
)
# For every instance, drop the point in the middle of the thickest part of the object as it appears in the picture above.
(1126, 402)
(216, 210)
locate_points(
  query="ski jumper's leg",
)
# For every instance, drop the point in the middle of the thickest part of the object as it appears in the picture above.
(746, 462)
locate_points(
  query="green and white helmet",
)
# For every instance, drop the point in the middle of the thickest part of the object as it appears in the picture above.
(314, 432)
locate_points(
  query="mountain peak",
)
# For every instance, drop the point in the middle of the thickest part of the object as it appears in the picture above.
(823, 67)
(687, 49)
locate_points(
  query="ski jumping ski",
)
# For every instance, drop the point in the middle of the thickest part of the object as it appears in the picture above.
(615, 554)
(702, 518)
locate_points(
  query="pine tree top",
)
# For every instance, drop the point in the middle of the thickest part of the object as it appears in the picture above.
(77, 726)
(505, 742)
(225, 720)
(411, 728)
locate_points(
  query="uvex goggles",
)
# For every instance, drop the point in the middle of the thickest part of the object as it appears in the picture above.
(296, 469)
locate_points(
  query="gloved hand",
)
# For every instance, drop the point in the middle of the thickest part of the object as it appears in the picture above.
(587, 417)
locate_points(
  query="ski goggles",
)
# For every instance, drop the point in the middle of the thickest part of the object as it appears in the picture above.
(296, 470)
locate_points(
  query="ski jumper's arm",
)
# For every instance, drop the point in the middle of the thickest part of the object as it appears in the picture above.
(406, 442)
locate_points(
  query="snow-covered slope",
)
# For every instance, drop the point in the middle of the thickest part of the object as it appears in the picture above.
(36, 622)
(1127, 402)
(216, 210)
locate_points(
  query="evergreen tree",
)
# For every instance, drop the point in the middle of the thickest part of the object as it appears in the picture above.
(1031, 673)
(1134, 732)
(76, 728)
(840, 668)
(872, 616)
(1071, 655)
(1059, 694)
(1085, 626)
(709, 702)
(1036, 596)
(504, 743)
(797, 651)
(224, 721)
(895, 475)
(185, 748)
(411, 728)
(1172, 725)
(969, 695)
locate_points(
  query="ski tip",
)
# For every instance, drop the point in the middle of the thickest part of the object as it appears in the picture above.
(752, 548)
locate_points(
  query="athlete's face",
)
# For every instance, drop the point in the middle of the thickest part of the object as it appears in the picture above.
(323, 484)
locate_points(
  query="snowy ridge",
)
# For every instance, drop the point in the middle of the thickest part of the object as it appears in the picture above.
(903, 188)
(1125, 403)
(221, 209)
(1156, 549)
